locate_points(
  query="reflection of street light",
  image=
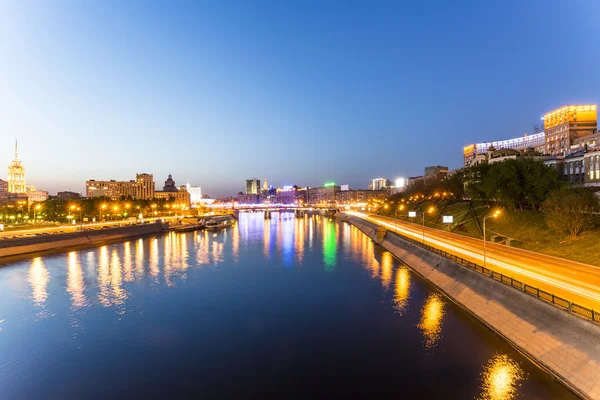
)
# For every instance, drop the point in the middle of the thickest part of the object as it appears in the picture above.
(491, 215)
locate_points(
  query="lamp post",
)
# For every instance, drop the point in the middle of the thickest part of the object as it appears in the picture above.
(102, 207)
(491, 215)
(430, 210)
(35, 214)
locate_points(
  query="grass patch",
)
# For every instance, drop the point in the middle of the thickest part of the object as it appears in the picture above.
(528, 228)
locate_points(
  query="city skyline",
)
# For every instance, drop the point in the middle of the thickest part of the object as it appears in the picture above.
(302, 94)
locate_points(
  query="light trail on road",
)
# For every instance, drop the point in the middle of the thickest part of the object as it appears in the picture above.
(573, 281)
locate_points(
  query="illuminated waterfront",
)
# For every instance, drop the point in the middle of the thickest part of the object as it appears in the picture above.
(279, 308)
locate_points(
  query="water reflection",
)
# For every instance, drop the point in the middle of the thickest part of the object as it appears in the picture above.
(402, 289)
(501, 378)
(329, 245)
(386, 269)
(38, 277)
(75, 282)
(431, 320)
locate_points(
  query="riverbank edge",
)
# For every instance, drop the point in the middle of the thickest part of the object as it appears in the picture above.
(78, 239)
(566, 347)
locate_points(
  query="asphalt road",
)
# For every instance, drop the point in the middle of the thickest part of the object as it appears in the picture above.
(68, 228)
(573, 281)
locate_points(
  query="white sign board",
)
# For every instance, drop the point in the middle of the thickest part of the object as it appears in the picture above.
(447, 219)
(412, 214)
(1, 227)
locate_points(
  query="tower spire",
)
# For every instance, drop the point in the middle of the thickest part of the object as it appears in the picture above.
(16, 152)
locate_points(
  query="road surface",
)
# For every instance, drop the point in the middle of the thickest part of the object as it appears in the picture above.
(69, 228)
(573, 281)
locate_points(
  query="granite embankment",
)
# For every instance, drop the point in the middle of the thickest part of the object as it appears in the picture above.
(566, 346)
(15, 247)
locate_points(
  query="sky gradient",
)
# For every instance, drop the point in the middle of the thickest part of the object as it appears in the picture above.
(298, 92)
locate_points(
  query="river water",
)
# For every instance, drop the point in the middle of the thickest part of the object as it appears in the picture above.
(283, 308)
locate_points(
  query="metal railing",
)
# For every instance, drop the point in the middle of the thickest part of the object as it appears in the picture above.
(550, 298)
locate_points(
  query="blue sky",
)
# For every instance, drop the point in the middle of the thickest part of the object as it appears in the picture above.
(299, 92)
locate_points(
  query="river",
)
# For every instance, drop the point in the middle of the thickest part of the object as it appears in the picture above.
(280, 308)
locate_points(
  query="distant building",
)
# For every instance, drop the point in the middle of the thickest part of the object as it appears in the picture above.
(253, 186)
(437, 170)
(3, 191)
(16, 175)
(179, 197)
(195, 193)
(68, 195)
(290, 195)
(37, 196)
(322, 195)
(248, 198)
(172, 194)
(379, 183)
(359, 196)
(170, 185)
(141, 188)
(474, 153)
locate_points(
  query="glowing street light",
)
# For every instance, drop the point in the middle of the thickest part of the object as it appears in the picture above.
(494, 214)
(430, 210)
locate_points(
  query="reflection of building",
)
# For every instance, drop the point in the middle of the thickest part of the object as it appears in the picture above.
(141, 188)
(16, 175)
(437, 170)
(252, 186)
(37, 196)
(68, 195)
(474, 153)
(322, 194)
(569, 128)
(195, 193)
(3, 191)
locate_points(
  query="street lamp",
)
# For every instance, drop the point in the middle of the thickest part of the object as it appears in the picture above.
(37, 209)
(430, 210)
(491, 215)
(102, 208)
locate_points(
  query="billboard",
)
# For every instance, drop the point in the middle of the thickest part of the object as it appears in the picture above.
(447, 219)
(345, 188)
(412, 214)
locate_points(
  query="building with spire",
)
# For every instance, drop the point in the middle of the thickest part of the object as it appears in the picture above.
(170, 185)
(16, 174)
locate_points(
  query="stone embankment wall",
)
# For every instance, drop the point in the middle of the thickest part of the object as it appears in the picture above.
(15, 247)
(566, 346)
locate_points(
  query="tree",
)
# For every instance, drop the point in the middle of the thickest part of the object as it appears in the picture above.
(515, 183)
(570, 210)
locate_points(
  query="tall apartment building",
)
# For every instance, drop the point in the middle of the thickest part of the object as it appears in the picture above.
(379, 183)
(140, 188)
(16, 175)
(568, 128)
(3, 191)
(253, 186)
(144, 188)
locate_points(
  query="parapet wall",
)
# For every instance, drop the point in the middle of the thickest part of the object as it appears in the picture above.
(15, 247)
(564, 345)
